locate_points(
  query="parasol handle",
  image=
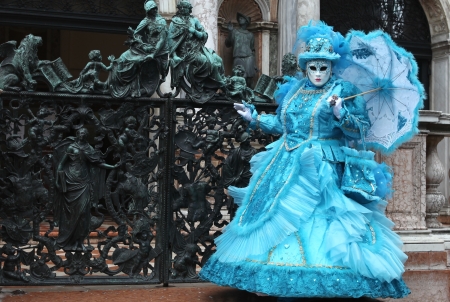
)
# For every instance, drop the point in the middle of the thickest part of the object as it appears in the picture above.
(362, 93)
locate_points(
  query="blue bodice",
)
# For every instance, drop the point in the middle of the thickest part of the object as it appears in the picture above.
(305, 115)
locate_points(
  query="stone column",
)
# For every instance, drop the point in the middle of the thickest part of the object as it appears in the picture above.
(287, 28)
(265, 52)
(207, 12)
(439, 100)
(168, 7)
(439, 20)
(307, 10)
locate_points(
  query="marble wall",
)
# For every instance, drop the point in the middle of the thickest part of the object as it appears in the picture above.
(307, 10)
(207, 12)
(286, 29)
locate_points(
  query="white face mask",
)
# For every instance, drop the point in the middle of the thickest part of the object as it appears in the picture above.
(319, 72)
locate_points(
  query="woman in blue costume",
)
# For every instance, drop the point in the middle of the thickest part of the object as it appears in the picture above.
(296, 234)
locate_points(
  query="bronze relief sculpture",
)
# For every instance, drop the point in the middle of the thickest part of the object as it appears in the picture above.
(190, 59)
(80, 183)
(138, 70)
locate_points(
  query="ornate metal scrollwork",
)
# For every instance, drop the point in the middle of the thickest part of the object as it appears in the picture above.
(213, 151)
(101, 182)
(56, 190)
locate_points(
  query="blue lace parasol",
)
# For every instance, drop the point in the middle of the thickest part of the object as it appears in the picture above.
(387, 76)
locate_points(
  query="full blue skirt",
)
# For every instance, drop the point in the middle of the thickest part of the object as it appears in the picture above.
(296, 234)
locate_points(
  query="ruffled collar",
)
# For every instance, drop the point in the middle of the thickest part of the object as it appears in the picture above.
(310, 86)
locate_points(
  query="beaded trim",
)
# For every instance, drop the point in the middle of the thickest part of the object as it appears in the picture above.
(311, 121)
(315, 91)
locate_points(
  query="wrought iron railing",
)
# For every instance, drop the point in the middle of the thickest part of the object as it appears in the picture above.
(102, 182)
(98, 190)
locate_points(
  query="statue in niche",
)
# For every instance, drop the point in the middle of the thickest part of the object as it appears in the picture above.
(88, 80)
(138, 70)
(243, 43)
(237, 89)
(190, 59)
(80, 183)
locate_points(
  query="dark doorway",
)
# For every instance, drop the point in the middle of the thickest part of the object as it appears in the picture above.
(404, 20)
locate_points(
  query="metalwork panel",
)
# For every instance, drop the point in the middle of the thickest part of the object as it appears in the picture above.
(101, 183)
(213, 148)
(81, 189)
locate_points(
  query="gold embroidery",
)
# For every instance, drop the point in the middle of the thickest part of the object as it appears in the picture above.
(302, 264)
(372, 231)
(270, 253)
(311, 120)
(259, 182)
(258, 121)
(302, 252)
(297, 264)
(350, 129)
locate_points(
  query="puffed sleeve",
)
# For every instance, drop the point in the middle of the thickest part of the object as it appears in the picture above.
(354, 121)
(268, 123)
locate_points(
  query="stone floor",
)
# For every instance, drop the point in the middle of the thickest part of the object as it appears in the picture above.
(204, 292)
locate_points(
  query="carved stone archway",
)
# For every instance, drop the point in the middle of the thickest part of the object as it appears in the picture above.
(262, 4)
(438, 15)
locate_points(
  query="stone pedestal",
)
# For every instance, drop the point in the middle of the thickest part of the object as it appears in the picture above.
(407, 207)
(435, 175)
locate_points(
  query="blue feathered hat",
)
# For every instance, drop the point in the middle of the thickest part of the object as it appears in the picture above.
(320, 42)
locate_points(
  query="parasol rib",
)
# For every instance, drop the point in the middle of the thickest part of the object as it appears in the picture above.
(363, 93)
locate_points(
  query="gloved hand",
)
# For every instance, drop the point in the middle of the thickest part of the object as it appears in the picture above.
(244, 111)
(335, 102)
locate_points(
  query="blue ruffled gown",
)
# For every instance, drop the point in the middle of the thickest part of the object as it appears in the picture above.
(295, 233)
